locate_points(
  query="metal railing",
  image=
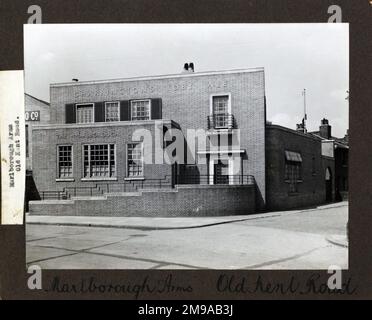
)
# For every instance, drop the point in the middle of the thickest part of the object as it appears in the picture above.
(53, 195)
(167, 182)
(221, 121)
(208, 179)
(136, 185)
(83, 191)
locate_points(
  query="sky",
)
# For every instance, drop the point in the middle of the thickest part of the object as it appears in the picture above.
(295, 56)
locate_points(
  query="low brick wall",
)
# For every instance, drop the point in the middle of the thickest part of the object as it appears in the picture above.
(182, 201)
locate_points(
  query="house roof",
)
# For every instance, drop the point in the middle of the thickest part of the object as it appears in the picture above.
(37, 99)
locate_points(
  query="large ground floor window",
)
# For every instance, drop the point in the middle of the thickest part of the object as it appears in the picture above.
(99, 160)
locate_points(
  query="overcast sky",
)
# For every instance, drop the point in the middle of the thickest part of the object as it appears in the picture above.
(295, 56)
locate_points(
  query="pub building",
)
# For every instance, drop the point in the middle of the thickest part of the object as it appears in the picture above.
(90, 160)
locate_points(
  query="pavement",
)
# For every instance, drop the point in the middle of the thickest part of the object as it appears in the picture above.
(159, 223)
(297, 239)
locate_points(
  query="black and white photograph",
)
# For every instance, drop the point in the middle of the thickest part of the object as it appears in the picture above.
(187, 146)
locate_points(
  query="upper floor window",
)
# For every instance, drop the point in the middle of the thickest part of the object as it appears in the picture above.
(221, 111)
(220, 104)
(65, 161)
(84, 113)
(140, 109)
(112, 111)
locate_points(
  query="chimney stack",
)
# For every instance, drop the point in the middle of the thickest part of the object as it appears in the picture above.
(300, 127)
(188, 67)
(346, 138)
(325, 130)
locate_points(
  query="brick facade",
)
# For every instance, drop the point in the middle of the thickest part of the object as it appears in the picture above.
(290, 169)
(186, 104)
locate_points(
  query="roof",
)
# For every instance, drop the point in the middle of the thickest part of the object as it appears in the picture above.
(289, 130)
(158, 77)
(42, 101)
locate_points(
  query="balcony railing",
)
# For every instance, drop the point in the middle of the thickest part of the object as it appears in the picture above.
(221, 121)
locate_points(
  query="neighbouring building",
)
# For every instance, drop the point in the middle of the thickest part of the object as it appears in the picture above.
(108, 146)
(37, 112)
(339, 148)
(298, 171)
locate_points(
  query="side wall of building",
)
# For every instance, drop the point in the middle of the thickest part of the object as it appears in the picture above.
(312, 187)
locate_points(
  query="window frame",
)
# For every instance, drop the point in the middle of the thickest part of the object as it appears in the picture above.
(72, 162)
(228, 94)
(118, 103)
(142, 161)
(131, 109)
(211, 106)
(90, 177)
(84, 104)
(288, 174)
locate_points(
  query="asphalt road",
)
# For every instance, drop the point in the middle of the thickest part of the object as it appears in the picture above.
(289, 241)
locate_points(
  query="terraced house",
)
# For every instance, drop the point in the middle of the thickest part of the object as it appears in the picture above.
(190, 144)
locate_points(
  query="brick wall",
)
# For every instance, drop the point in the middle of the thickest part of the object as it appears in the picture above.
(312, 189)
(183, 201)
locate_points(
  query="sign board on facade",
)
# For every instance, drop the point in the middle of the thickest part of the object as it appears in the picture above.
(32, 115)
(327, 148)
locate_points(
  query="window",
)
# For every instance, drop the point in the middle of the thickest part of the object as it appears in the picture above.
(84, 113)
(112, 111)
(140, 109)
(64, 161)
(135, 160)
(293, 174)
(27, 142)
(99, 160)
(220, 111)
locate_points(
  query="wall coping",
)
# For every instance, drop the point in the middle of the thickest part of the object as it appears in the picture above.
(157, 77)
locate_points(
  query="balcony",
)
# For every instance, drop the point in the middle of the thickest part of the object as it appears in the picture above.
(221, 121)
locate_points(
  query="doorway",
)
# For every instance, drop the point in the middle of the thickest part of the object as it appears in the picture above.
(221, 171)
(328, 183)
